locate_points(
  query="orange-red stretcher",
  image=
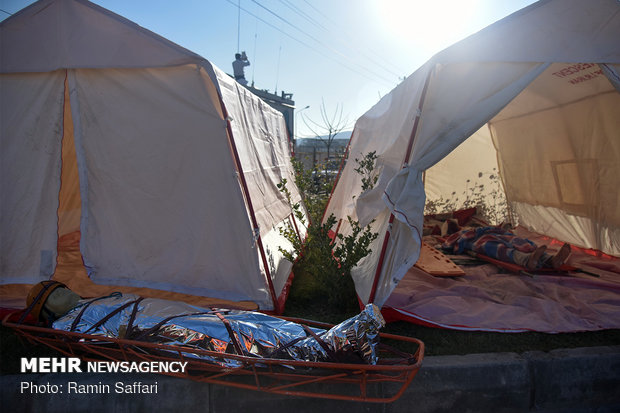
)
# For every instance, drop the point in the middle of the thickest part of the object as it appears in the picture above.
(384, 382)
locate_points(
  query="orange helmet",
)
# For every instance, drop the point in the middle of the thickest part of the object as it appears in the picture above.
(38, 295)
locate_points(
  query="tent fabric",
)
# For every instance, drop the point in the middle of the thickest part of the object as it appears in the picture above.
(560, 137)
(109, 123)
(454, 177)
(613, 74)
(60, 34)
(32, 109)
(261, 138)
(538, 160)
(140, 168)
(71, 272)
(471, 84)
(489, 300)
(265, 159)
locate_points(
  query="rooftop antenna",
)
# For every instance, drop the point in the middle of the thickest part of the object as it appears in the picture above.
(254, 53)
(238, 24)
(278, 69)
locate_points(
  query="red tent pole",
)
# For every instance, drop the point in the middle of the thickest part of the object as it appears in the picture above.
(388, 231)
(246, 193)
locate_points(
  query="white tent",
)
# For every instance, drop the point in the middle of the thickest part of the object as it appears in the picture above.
(544, 83)
(177, 163)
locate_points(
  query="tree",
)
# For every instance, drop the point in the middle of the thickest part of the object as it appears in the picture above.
(330, 127)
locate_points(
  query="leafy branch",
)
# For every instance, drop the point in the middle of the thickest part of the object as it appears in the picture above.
(366, 168)
(325, 259)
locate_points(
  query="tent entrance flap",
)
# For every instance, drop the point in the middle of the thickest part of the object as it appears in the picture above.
(31, 109)
(155, 191)
(412, 136)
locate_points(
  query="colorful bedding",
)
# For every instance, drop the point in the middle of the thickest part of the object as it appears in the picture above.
(488, 298)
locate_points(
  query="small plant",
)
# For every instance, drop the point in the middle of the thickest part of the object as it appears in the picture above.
(314, 187)
(366, 168)
(289, 231)
(353, 247)
(325, 259)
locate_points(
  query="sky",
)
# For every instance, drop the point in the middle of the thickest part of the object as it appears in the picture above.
(339, 55)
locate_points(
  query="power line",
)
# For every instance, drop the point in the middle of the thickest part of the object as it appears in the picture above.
(340, 30)
(391, 83)
(303, 14)
(315, 22)
(315, 9)
(350, 37)
(272, 26)
(321, 43)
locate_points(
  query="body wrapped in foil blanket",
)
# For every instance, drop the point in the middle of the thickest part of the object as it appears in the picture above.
(239, 332)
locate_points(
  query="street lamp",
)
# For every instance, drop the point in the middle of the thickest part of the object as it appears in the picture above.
(295, 124)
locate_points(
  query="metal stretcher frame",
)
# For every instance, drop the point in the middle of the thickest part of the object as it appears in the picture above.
(327, 380)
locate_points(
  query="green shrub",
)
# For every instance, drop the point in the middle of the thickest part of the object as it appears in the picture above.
(323, 261)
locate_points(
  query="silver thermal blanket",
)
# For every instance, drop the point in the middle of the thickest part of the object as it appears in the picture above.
(240, 332)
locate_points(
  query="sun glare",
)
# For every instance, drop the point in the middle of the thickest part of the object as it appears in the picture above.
(428, 24)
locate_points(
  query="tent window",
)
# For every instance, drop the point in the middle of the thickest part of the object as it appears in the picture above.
(570, 180)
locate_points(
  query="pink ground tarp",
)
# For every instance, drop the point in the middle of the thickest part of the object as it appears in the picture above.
(488, 299)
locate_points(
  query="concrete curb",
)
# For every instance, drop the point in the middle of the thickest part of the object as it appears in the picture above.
(566, 380)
